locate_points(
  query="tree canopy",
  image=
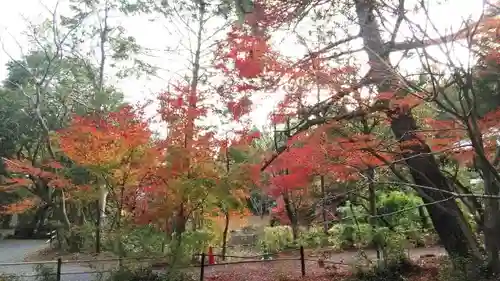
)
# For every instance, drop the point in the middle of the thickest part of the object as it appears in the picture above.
(349, 145)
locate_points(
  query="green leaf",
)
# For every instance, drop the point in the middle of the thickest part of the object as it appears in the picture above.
(238, 156)
(243, 7)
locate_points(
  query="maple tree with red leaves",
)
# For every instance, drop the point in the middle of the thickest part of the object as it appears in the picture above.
(181, 184)
(25, 174)
(117, 149)
(114, 147)
(325, 102)
(192, 182)
(115, 135)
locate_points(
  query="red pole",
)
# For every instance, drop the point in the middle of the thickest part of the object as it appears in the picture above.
(211, 257)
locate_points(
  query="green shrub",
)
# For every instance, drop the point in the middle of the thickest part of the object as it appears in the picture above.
(140, 274)
(394, 201)
(314, 237)
(397, 270)
(192, 243)
(9, 277)
(461, 269)
(146, 274)
(45, 273)
(147, 241)
(142, 241)
(276, 238)
(393, 244)
(346, 235)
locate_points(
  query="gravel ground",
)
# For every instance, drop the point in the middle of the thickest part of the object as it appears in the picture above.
(272, 270)
(14, 251)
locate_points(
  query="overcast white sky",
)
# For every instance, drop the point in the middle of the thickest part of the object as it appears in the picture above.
(152, 35)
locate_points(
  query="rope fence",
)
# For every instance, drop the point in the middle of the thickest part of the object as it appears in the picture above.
(73, 270)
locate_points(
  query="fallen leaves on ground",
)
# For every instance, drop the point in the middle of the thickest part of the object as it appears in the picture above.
(291, 271)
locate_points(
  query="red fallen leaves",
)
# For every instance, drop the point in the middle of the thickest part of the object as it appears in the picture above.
(267, 271)
(291, 271)
(427, 270)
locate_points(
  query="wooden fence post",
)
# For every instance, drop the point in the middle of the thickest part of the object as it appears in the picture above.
(302, 261)
(58, 270)
(202, 268)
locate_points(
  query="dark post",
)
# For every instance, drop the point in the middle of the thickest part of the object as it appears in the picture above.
(202, 268)
(302, 261)
(58, 271)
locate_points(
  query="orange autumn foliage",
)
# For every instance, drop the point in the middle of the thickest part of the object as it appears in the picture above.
(104, 140)
(236, 218)
(24, 173)
(186, 172)
(18, 207)
(116, 145)
(323, 124)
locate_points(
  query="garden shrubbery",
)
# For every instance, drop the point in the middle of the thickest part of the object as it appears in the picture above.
(402, 228)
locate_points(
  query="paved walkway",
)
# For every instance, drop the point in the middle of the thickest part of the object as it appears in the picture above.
(13, 252)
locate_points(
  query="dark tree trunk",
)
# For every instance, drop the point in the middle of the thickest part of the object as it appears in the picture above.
(326, 224)
(370, 173)
(224, 235)
(454, 232)
(30, 230)
(292, 216)
(5, 221)
(180, 224)
(448, 220)
(491, 223)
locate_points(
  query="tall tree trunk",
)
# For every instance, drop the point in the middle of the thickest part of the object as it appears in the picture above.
(29, 230)
(179, 228)
(6, 221)
(101, 215)
(489, 172)
(370, 173)
(119, 222)
(292, 215)
(224, 235)
(98, 229)
(180, 224)
(448, 220)
(323, 205)
(491, 225)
